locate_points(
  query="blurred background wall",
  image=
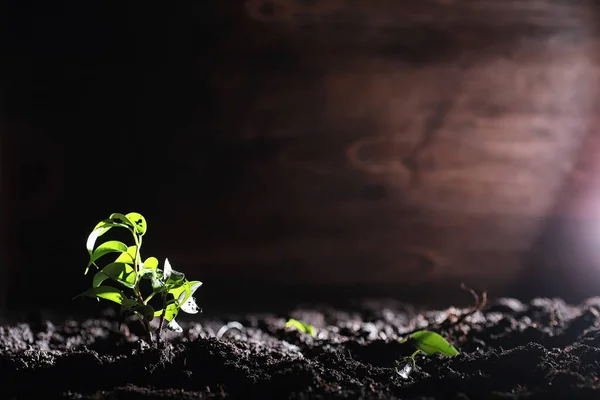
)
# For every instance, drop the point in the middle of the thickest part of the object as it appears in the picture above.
(309, 147)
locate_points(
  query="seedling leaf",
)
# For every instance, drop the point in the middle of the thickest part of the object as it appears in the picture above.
(91, 241)
(128, 256)
(189, 306)
(138, 222)
(100, 229)
(184, 296)
(120, 272)
(181, 292)
(103, 227)
(170, 311)
(172, 278)
(430, 343)
(119, 218)
(158, 285)
(146, 311)
(105, 292)
(147, 273)
(112, 246)
(167, 269)
(149, 270)
(301, 326)
(174, 326)
(129, 304)
(176, 279)
(151, 263)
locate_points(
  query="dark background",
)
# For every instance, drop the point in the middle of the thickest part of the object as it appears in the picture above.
(285, 150)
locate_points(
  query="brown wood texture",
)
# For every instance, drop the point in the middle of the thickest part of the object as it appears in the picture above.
(406, 141)
(328, 141)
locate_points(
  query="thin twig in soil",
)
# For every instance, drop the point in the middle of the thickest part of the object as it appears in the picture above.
(449, 322)
(479, 304)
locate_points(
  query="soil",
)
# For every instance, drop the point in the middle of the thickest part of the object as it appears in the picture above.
(543, 349)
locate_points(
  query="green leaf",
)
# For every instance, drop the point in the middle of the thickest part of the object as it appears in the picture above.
(170, 311)
(149, 269)
(112, 246)
(105, 292)
(430, 343)
(301, 326)
(129, 256)
(187, 287)
(189, 306)
(91, 240)
(167, 269)
(129, 305)
(174, 326)
(151, 263)
(147, 273)
(120, 272)
(183, 295)
(176, 279)
(182, 290)
(100, 229)
(138, 221)
(119, 218)
(104, 226)
(158, 286)
(171, 277)
(146, 311)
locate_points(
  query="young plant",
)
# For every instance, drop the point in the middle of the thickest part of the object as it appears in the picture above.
(426, 342)
(128, 272)
(301, 326)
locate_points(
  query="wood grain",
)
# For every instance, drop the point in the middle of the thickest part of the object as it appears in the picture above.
(336, 141)
(450, 127)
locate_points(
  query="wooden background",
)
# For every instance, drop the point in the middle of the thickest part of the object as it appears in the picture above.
(322, 142)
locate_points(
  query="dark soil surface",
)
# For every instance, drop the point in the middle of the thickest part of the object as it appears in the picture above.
(544, 349)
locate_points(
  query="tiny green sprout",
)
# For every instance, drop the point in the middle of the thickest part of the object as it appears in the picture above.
(128, 271)
(426, 342)
(301, 326)
(430, 343)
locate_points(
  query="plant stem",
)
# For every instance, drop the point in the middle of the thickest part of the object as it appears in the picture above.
(138, 245)
(136, 264)
(162, 319)
(412, 358)
(143, 320)
(146, 326)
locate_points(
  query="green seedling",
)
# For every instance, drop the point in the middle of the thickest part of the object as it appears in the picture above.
(426, 342)
(301, 326)
(128, 271)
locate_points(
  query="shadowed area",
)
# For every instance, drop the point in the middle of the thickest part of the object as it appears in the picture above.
(309, 148)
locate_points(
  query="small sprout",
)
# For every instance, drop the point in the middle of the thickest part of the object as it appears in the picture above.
(301, 326)
(430, 343)
(128, 270)
(426, 342)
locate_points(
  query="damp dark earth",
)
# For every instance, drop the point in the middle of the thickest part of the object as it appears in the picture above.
(542, 349)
